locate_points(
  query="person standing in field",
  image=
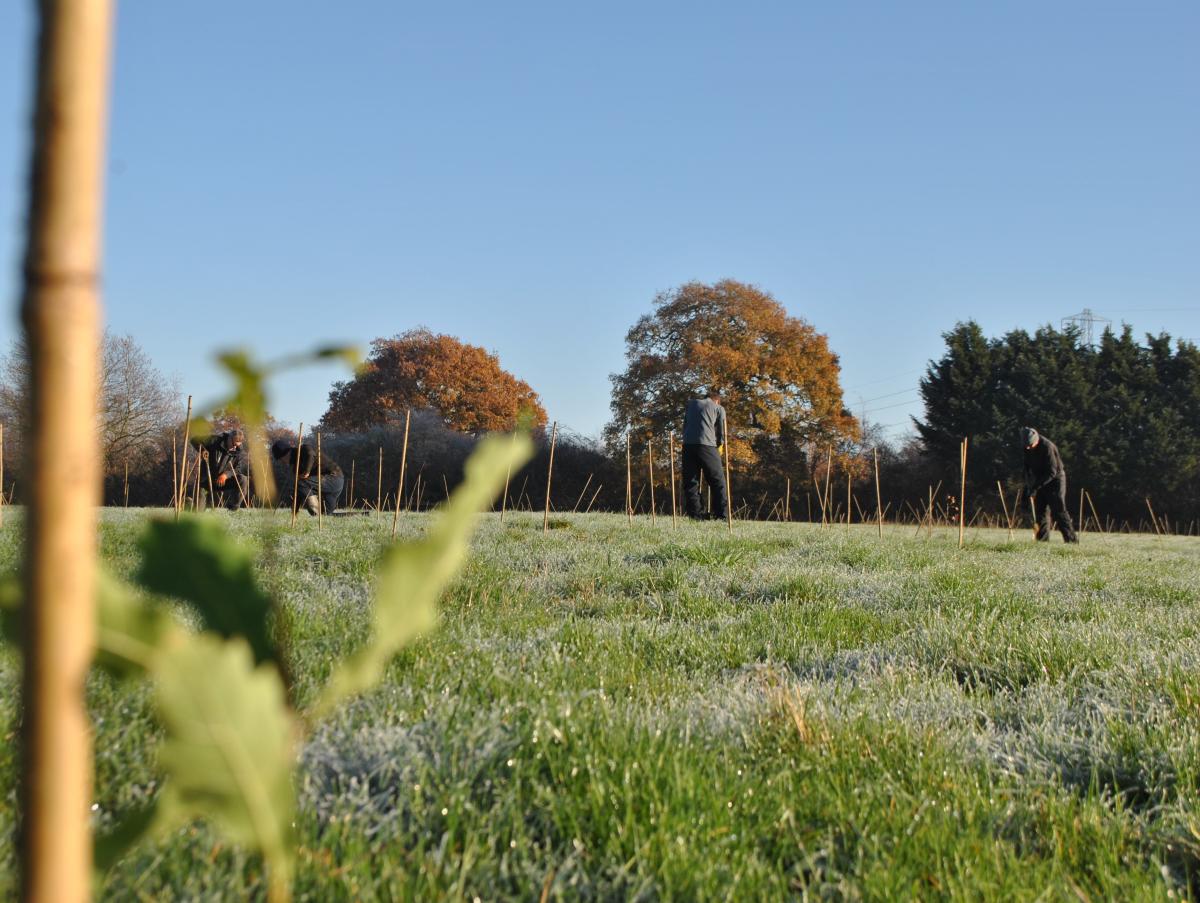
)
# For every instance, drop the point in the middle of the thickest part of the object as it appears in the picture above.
(1046, 483)
(330, 479)
(703, 435)
(219, 458)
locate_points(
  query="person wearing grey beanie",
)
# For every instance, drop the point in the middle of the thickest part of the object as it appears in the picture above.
(1046, 483)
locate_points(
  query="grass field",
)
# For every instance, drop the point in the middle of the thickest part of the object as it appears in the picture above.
(787, 713)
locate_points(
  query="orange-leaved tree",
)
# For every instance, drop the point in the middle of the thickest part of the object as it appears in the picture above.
(778, 379)
(418, 369)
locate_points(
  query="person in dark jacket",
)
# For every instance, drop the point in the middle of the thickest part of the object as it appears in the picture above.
(703, 435)
(1046, 483)
(220, 460)
(330, 476)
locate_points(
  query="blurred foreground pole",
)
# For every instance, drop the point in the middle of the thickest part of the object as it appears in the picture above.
(61, 315)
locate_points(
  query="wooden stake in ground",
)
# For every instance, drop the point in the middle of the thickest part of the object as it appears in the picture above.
(1033, 515)
(296, 480)
(582, 493)
(650, 467)
(174, 468)
(549, 478)
(60, 311)
(403, 465)
(2, 477)
(1004, 505)
(674, 512)
(1153, 519)
(1080, 521)
(592, 501)
(787, 500)
(828, 478)
(878, 495)
(212, 496)
(350, 497)
(1095, 516)
(196, 493)
(962, 495)
(507, 477)
(848, 511)
(379, 484)
(183, 456)
(320, 501)
(820, 500)
(628, 481)
(728, 485)
(2, 470)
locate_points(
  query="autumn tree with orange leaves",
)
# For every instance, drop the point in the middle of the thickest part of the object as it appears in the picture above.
(779, 381)
(420, 370)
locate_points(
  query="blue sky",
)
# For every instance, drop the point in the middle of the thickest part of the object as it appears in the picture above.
(527, 176)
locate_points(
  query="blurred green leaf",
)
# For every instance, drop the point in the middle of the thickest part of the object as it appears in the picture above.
(229, 747)
(412, 576)
(130, 631)
(10, 609)
(196, 560)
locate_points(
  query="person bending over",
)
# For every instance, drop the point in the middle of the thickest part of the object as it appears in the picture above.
(329, 481)
(1046, 482)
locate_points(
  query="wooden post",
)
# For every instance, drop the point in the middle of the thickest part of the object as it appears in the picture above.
(183, 456)
(962, 495)
(728, 484)
(549, 478)
(60, 311)
(507, 477)
(350, 497)
(849, 513)
(878, 495)
(196, 493)
(1004, 505)
(787, 500)
(592, 501)
(820, 499)
(1095, 516)
(2, 477)
(296, 480)
(582, 493)
(126, 472)
(320, 500)
(828, 476)
(628, 481)
(403, 465)
(650, 467)
(1080, 521)
(174, 468)
(1033, 514)
(1153, 519)
(212, 496)
(674, 512)
(379, 484)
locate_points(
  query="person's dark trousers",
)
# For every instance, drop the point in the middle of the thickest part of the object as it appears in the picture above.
(1050, 502)
(331, 490)
(706, 459)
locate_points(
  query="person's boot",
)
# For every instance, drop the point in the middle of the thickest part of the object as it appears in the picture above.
(310, 505)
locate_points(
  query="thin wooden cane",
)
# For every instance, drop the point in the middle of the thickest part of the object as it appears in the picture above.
(212, 496)
(2, 477)
(1095, 516)
(549, 479)
(174, 468)
(1080, 521)
(628, 481)
(1033, 515)
(728, 484)
(962, 496)
(403, 465)
(379, 484)
(595, 495)
(507, 477)
(820, 500)
(187, 434)
(650, 467)
(849, 513)
(828, 476)
(320, 500)
(582, 493)
(787, 500)
(196, 492)
(1153, 519)
(878, 496)
(674, 511)
(350, 497)
(1004, 505)
(296, 480)
(126, 476)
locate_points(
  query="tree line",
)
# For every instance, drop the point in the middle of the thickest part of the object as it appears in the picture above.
(1125, 414)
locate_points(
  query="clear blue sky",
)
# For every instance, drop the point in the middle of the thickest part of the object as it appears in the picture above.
(527, 176)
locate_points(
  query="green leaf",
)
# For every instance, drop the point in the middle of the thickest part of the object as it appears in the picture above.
(229, 747)
(130, 632)
(196, 560)
(412, 576)
(10, 609)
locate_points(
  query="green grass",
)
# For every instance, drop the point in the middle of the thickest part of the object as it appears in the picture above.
(787, 713)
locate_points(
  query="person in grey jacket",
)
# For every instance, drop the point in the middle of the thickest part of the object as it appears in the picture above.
(703, 435)
(1046, 483)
